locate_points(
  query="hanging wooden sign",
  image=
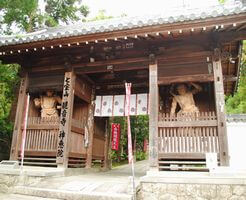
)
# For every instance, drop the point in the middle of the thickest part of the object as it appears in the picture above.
(115, 129)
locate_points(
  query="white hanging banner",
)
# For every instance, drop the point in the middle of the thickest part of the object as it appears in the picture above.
(109, 106)
(133, 103)
(142, 104)
(98, 103)
(119, 105)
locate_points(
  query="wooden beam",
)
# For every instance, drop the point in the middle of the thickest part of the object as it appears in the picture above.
(153, 115)
(226, 37)
(87, 78)
(83, 90)
(243, 26)
(220, 109)
(65, 120)
(122, 64)
(116, 68)
(17, 132)
(230, 78)
(175, 124)
(182, 156)
(188, 78)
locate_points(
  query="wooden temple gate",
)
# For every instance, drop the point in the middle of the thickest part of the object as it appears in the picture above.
(43, 135)
(82, 62)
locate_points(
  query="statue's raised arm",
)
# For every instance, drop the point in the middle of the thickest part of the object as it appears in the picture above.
(197, 88)
(184, 99)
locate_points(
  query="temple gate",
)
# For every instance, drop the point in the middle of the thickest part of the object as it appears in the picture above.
(86, 63)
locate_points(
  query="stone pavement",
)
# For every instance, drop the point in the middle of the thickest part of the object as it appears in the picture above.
(113, 184)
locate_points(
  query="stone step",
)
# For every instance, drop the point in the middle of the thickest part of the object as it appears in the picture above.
(69, 195)
(22, 197)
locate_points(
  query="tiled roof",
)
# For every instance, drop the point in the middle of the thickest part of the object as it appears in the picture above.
(169, 17)
(236, 118)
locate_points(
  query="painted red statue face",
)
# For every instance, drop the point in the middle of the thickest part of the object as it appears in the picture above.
(182, 89)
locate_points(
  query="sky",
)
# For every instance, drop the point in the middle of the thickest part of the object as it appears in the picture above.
(140, 7)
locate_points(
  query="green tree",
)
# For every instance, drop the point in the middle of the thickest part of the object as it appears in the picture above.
(8, 82)
(101, 16)
(139, 131)
(27, 16)
(237, 103)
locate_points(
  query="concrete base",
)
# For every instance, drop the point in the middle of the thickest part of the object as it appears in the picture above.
(34, 171)
(220, 175)
(220, 183)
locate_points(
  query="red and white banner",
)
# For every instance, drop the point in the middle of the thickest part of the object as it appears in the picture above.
(115, 129)
(127, 111)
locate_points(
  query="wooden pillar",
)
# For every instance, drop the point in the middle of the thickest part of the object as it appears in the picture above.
(220, 108)
(106, 146)
(65, 120)
(153, 114)
(90, 125)
(16, 138)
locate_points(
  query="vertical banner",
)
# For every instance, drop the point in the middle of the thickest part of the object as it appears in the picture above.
(127, 111)
(130, 156)
(115, 129)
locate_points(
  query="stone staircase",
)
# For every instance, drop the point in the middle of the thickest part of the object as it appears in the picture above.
(35, 193)
(22, 197)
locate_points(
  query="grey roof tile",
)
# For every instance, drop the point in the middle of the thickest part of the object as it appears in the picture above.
(236, 118)
(174, 16)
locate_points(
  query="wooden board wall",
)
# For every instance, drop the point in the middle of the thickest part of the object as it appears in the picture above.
(80, 110)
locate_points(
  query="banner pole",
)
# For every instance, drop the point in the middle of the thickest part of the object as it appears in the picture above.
(24, 131)
(130, 156)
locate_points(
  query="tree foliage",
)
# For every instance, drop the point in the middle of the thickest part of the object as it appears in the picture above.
(237, 104)
(8, 82)
(140, 132)
(101, 16)
(27, 16)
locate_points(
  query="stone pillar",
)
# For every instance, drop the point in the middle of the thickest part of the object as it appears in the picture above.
(220, 108)
(153, 114)
(65, 120)
(17, 132)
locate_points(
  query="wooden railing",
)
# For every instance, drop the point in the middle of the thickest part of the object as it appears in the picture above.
(194, 133)
(42, 134)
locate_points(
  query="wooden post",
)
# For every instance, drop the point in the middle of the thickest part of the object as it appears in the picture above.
(16, 139)
(65, 120)
(153, 114)
(106, 146)
(220, 108)
(90, 124)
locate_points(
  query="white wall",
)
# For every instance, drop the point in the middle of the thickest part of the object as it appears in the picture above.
(237, 144)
